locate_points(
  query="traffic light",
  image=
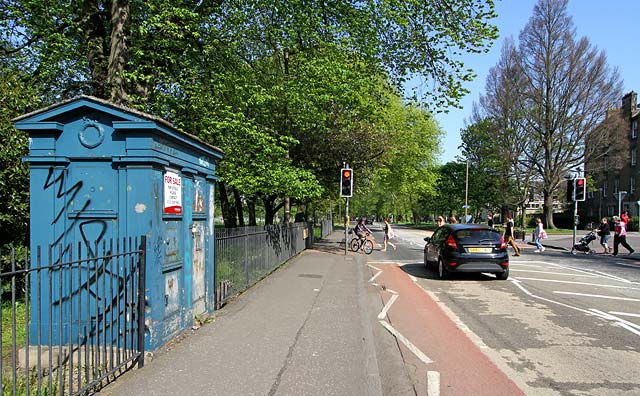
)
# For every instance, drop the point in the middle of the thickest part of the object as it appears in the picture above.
(346, 182)
(570, 190)
(580, 189)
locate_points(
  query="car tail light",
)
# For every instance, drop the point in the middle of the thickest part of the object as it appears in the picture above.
(503, 244)
(451, 242)
(505, 264)
(452, 263)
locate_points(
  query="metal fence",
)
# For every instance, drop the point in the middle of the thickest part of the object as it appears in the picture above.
(245, 255)
(326, 227)
(72, 319)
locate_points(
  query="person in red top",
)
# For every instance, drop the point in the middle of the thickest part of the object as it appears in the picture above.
(624, 217)
(620, 236)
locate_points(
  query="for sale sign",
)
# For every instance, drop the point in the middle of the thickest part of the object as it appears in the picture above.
(172, 193)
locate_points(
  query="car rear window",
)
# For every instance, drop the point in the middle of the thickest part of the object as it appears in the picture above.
(478, 235)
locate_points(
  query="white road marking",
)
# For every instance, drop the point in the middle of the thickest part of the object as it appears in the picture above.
(597, 296)
(388, 305)
(578, 283)
(591, 312)
(419, 354)
(433, 383)
(624, 314)
(632, 327)
(375, 276)
(556, 273)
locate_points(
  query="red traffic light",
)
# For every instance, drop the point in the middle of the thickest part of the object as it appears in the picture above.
(580, 182)
(346, 173)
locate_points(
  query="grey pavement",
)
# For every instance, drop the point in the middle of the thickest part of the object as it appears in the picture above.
(306, 329)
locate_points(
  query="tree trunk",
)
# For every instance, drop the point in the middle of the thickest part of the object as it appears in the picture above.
(118, 52)
(228, 214)
(301, 213)
(95, 36)
(269, 211)
(251, 207)
(287, 210)
(239, 208)
(548, 210)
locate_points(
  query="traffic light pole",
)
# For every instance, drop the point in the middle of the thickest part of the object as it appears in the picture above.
(346, 227)
(575, 221)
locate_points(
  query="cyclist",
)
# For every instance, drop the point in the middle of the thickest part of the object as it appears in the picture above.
(362, 231)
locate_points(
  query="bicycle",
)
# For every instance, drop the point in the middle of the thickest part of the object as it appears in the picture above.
(358, 243)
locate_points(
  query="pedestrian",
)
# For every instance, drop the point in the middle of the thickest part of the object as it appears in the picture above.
(538, 234)
(620, 236)
(453, 220)
(490, 220)
(508, 234)
(440, 221)
(624, 217)
(604, 231)
(388, 234)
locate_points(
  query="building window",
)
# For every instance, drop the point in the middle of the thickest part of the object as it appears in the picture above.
(634, 152)
(634, 129)
(604, 190)
(632, 185)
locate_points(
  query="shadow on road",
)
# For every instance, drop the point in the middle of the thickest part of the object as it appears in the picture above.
(418, 270)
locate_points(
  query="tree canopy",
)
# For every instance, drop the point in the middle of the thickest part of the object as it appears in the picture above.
(287, 89)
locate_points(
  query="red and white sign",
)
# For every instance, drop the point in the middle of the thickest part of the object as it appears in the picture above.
(172, 193)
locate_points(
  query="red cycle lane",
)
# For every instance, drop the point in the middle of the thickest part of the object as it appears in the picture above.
(463, 368)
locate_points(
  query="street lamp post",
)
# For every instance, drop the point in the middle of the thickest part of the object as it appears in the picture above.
(621, 195)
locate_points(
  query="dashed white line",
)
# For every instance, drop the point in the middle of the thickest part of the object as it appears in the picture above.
(433, 383)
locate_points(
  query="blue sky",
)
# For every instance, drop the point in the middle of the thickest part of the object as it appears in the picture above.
(612, 26)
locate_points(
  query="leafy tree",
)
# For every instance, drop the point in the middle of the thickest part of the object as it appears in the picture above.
(246, 65)
(566, 88)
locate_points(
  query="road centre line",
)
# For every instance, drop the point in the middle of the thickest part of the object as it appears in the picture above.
(578, 283)
(597, 296)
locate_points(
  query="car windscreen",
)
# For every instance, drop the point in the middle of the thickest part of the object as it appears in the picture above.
(477, 236)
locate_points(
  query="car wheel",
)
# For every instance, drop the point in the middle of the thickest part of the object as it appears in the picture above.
(503, 275)
(442, 270)
(426, 263)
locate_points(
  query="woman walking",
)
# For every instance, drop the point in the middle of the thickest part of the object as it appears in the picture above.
(538, 233)
(508, 234)
(388, 234)
(604, 231)
(620, 236)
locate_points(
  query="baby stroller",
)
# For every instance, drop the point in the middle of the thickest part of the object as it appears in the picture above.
(583, 244)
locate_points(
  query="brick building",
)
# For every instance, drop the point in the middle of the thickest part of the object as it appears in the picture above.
(613, 164)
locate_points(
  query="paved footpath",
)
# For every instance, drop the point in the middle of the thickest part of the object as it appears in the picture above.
(304, 330)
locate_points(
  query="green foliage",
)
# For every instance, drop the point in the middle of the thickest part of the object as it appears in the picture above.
(288, 90)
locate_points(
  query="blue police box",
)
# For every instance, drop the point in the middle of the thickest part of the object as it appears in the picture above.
(101, 172)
